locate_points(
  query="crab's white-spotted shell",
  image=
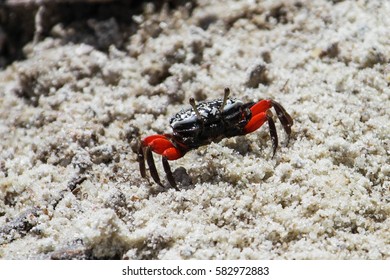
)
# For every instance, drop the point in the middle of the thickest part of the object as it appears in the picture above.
(208, 110)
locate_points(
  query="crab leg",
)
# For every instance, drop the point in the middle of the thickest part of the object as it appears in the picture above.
(152, 167)
(284, 117)
(159, 144)
(168, 171)
(258, 120)
(261, 113)
(141, 160)
(272, 132)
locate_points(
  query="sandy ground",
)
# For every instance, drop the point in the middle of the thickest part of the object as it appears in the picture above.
(70, 116)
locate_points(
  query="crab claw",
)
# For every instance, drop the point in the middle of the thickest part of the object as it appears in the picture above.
(259, 115)
(261, 112)
(161, 145)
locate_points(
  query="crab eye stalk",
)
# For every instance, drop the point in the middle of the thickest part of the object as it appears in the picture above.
(225, 97)
(192, 102)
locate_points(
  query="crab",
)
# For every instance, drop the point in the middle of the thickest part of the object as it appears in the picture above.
(206, 122)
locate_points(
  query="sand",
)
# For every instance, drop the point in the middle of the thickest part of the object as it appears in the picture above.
(71, 114)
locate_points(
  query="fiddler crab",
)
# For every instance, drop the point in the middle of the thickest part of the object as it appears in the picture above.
(206, 122)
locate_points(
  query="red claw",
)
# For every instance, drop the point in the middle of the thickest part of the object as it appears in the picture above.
(172, 153)
(259, 115)
(161, 145)
(261, 107)
(150, 139)
(158, 144)
(256, 122)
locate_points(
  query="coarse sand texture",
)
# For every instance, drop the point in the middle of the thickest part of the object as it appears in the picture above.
(72, 114)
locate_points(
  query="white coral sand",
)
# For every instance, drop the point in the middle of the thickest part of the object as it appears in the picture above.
(70, 115)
